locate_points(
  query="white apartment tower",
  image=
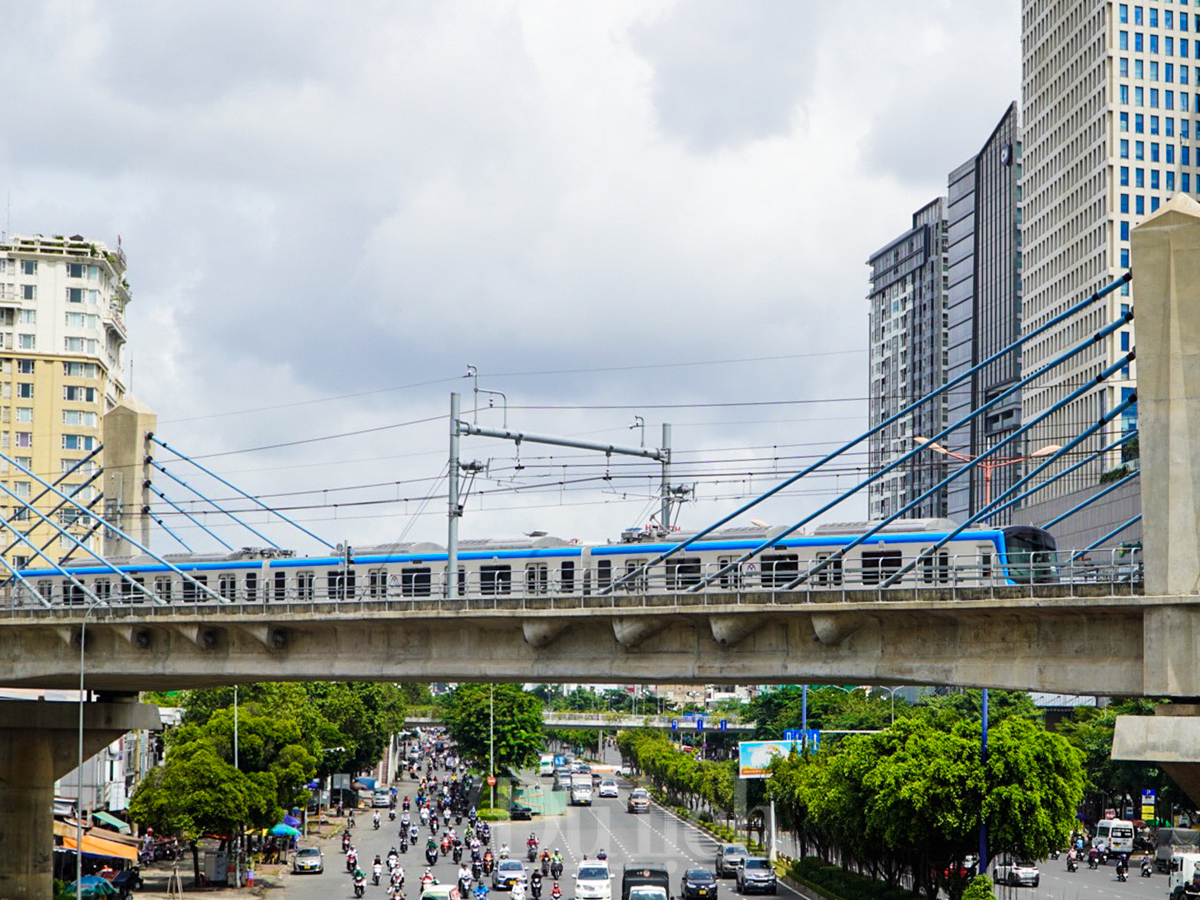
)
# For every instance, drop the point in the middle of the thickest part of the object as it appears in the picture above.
(1110, 119)
(62, 395)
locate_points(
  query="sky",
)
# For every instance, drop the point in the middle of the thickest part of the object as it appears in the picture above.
(610, 210)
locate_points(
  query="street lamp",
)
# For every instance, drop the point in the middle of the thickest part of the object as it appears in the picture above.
(987, 464)
(79, 759)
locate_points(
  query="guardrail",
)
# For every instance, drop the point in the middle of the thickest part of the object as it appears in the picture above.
(951, 578)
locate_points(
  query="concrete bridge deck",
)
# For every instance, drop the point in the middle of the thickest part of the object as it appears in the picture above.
(1091, 641)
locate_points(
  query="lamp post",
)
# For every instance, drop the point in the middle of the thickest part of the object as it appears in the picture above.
(891, 696)
(988, 465)
(79, 760)
(492, 743)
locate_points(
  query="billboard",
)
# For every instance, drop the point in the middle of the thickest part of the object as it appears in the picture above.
(754, 757)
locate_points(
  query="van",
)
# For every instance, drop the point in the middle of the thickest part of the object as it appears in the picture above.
(644, 874)
(546, 765)
(1113, 836)
(581, 790)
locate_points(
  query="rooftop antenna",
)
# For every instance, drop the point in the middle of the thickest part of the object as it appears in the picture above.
(7, 214)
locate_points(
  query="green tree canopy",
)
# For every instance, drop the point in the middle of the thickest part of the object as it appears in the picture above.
(517, 717)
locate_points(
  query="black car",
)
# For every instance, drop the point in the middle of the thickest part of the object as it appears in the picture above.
(517, 811)
(698, 884)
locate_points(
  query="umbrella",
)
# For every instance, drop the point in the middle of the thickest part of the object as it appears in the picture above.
(283, 830)
(291, 820)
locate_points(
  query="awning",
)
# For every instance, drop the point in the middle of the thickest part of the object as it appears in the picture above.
(111, 820)
(93, 846)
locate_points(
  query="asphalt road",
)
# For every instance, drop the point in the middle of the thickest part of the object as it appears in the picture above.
(658, 836)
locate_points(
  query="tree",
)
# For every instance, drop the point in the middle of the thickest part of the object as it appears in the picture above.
(980, 888)
(195, 793)
(517, 727)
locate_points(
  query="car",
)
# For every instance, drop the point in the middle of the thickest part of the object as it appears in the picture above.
(593, 881)
(381, 799)
(562, 779)
(1017, 873)
(729, 857)
(440, 892)
(608, 788)
(698, 884)
(508, 872)
(308, 859)
(639, 801)
(756, 874)
(518, 811)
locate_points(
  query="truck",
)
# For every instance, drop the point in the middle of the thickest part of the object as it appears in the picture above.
(641, 877)
(1184, 876)
(1174, 840)
(581, 790)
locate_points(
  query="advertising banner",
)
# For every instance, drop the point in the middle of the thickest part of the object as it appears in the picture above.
(754, 757)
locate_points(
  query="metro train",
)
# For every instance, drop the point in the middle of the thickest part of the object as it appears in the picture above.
(1012, 555)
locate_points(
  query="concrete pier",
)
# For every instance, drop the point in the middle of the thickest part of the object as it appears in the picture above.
(39, 743)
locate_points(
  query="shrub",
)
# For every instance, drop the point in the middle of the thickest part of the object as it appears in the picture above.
(980, 888)
(842, 885)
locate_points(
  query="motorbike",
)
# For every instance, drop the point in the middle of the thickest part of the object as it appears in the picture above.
(1072, 865)
(1054, 854)
(350, 863)
(403, 845)
(556, 892)
(431, 855)
(375, 823)
(464, 887)
(545, 863)
(1092, 862)
(1122, 873)
(489, 863)
(556, 869)
(376, 871)
(531, 854)
(446, 845)
(1146, 869)
(345, 842)
(392, 814)
(476, 870)
(535, 888)
(457, 854)
(360, 885)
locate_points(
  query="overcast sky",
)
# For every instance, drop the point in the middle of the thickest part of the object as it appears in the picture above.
(611, 209)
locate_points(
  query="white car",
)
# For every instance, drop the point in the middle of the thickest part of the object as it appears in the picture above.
(1020, 872)
(593, 881)
(608, 788)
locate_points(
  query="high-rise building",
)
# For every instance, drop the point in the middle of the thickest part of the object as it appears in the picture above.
(984, 315)
(1108, 135)
(908, 360)
(62, 395)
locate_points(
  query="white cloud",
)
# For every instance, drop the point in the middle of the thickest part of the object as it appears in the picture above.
(320, 204)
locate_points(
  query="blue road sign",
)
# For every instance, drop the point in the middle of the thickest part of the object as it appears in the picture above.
(699, 723)
(724, 724)
(792, 736)
(674, 724)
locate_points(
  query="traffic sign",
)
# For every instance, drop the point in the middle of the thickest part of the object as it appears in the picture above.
(699, 723)
(674, 724)
(724, 724)
(793, 735)
(491, 781)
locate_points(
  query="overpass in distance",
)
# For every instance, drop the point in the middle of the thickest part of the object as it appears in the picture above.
(607, 721)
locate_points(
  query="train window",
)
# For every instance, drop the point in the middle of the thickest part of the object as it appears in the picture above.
(251, 586)
(304, 585)
(831, 575)
(102, 588)
(45, 587)
(879, 565)
(462, 581)
(537, 578)
(495, 580)
(132, 589)
(163, 589)
(936, 568)
(193, 588)
(416, 582)
(731, 580)
(985, 562)
(377, 583)
(227, 587)
(280, 586)
(72, 593)
(566, 577)
(603, 573)
(780, 571)
(639, 583)
(1031, 555)
(682, 572)
(341, 584)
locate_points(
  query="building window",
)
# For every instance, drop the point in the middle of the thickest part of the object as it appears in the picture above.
(1139, 177)
(77, 442)
(1124, 231)
(25, 366)
(79, 394)
(1139, 123)
(29, 292)
(1124, 67)
(25, 390)
(1139, 205)
(23, 438)
(1123, 40)
(29, 267)
(24, 414)
(26, 342)
(1124, 176)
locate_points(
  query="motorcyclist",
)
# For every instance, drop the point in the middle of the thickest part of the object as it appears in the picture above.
(1123, 866)
(504, 851)
(375, 821)
(556, 892)
(1147, 865)
(601, 854)
(535, 884)
(1093, 858)
(376, 870)
(545, 862)
(1072, 859)
(360, 883)
(518, 889)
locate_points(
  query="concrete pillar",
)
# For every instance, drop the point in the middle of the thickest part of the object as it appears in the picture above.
(39, 742)
(126, 474)
(1166, 270)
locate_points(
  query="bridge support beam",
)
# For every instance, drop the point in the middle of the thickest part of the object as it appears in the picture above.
(1166, 262)
(1170, 738)
(39, 742)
